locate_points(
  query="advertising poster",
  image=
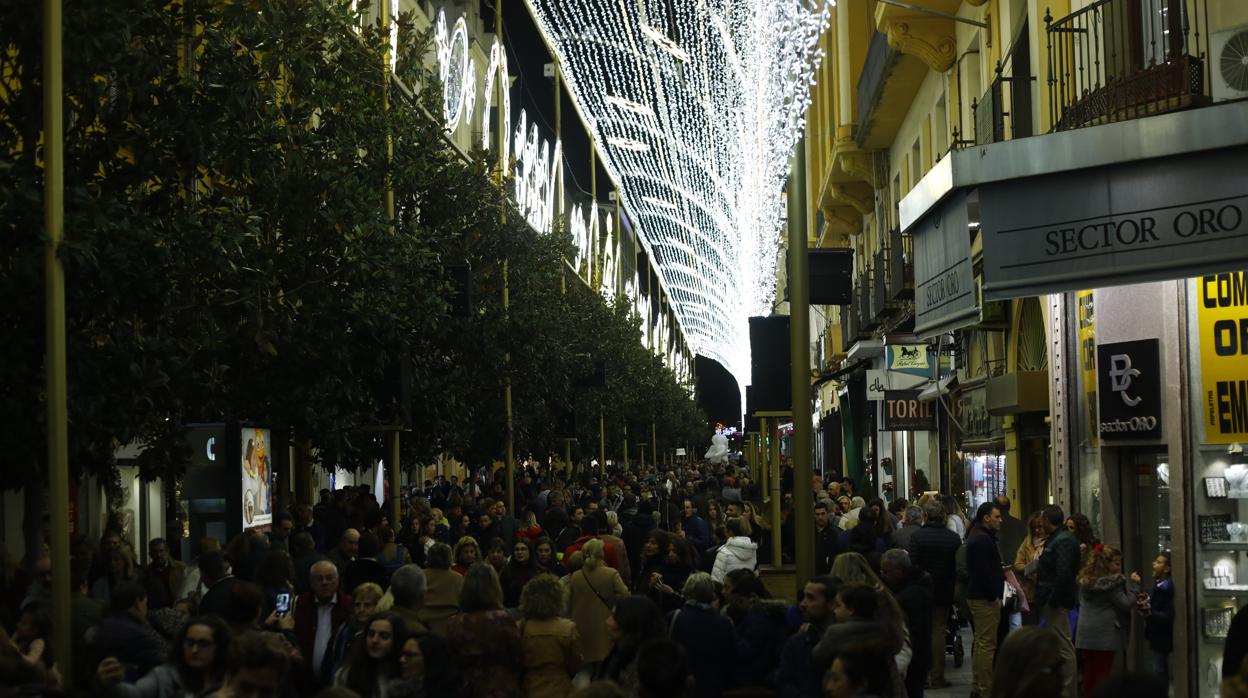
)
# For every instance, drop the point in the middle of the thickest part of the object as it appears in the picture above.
(257, 478)
(1222, 312)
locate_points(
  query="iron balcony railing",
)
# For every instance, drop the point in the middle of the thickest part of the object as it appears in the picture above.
(1006, 105)
(1122, 59)
(900, 256)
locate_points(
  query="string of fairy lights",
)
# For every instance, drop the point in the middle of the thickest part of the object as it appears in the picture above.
(698, 104)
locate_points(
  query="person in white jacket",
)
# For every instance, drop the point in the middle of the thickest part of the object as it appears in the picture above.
(739, 552)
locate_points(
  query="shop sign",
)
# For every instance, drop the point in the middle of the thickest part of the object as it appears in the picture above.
(915, 359)
(880, 381)
(1164, 218)
(944, 282)
(904, 411)
(1087, 360)
(1222, 312)
(1129, 390)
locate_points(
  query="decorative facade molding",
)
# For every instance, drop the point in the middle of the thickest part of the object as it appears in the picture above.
(930, 40)
(859, 195)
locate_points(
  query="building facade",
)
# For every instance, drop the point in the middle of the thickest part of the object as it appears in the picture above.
(1049, 272)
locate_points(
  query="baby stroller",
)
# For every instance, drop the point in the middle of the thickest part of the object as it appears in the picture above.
(953, 636)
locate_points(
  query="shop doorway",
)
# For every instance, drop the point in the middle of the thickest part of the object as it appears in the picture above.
(1144, 512)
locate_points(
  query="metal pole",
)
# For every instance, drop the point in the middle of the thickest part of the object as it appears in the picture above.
(396, 474)
(602, 442)
(654, 445)
(502, 167)
(774, 478)
(799, 355)
(626, 446)
(763, 452)
(54, 288)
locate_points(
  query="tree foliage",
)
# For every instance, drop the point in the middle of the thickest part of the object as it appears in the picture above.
(228, 252)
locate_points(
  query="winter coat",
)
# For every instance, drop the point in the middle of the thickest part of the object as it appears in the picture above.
(914, 596)
(552, 656)
(441, 599)
(761, 633)
(901, 537)
(1011, 536)
(738, 552)
(797, 676)
(306, 617)
(1028, 552)
(513, 579)
(827, 546)
(1159, 626)
(1105, 607)
(709, 642)
(934, 549)
(698, 533)
(983, 565)
(131, 641)
(635, 533)
(592, 594)
(490, 654)
(1055, 581)
(161, 682)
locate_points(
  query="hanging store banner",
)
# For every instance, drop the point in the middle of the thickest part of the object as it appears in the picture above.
(914, 359)
(904, 411)
(880, 382)
(944, 282)
(1164, 218)
(1129, 390)
(1222, 312)
(1087, 360)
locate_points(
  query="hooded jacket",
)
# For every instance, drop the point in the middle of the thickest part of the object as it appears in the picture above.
(738, 553)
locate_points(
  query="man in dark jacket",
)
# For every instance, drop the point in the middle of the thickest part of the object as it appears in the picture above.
(934, 549)
(1013, 531)
(986, 580)
(217, 577)
(826, 546)
(797, 676)
(912, 587)
(1056, 590)
(126, 635)
(697, 532)
(319, 614)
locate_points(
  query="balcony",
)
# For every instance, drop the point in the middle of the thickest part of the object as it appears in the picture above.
(866, 311)
(1005, 109)
(1122, 59)
(879, 296)
(900, 256)
(885, 90)
(850, 327)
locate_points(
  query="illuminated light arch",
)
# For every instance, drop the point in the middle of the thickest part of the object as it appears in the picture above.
(698, 107)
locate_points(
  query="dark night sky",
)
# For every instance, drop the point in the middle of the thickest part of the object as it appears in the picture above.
(717, 392)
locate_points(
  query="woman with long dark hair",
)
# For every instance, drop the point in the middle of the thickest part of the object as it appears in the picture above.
(633, 621)
(196, 665)
(517, 572)
(544, 552)
(430, 669)
(374, 662)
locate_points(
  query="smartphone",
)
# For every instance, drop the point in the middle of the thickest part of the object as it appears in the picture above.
(283, 603)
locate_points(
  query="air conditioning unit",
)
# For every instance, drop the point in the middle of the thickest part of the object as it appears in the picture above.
(1229, 64)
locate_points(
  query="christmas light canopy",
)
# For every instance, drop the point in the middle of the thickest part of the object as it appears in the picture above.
(697, 105)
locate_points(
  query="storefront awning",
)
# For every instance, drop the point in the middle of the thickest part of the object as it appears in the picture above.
(1162, 197)
(936, 389)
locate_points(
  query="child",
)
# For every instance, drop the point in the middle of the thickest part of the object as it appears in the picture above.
(1159, 616)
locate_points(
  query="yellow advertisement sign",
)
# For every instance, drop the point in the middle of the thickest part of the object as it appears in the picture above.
(1222, 311)
(1087, 361)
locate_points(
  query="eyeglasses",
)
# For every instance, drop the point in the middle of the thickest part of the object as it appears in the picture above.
(192, 643)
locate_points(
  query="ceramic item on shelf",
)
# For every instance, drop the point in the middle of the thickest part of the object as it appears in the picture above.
(1237, 481)
(1238, 531)
(1163, 473)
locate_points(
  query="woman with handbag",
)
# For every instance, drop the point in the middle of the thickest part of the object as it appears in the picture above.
(592, 593)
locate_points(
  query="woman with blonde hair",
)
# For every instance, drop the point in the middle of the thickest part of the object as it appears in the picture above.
(1106, 599)
(592, 592)
(551, 644)
(1027, 562)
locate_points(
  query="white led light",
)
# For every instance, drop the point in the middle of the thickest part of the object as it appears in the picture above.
(664, 42)
(660, 203)
(716, 91)
(456, 68)
(629, 105)
(628, 144)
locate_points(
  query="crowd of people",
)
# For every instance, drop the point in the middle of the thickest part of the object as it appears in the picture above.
(627, 583)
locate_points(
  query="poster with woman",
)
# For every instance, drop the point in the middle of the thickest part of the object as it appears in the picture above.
(257, 478)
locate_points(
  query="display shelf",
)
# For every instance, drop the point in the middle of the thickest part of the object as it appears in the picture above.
(1225, 545)
(1222, 593)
